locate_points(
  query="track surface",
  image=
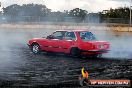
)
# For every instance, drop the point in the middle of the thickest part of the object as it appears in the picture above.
(19, 67)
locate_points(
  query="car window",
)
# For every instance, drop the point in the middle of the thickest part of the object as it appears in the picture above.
(70, 36)
(58, 35)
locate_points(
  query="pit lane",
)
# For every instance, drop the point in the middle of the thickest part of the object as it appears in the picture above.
(19, 67)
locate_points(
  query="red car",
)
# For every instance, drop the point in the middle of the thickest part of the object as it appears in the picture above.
(73, 42)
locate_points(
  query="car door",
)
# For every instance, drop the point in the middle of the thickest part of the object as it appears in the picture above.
(53, 43)
(67, 42)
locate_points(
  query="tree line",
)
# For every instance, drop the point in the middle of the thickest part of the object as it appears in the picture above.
(42, 11)
(39, 10)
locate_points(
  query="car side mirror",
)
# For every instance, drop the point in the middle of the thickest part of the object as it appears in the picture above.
(50, 37)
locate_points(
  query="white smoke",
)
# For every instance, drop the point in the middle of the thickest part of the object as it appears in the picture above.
(120, 43)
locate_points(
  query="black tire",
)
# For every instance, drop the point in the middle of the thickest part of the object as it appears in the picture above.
(75, 52)
(97, 56)
(35, 48)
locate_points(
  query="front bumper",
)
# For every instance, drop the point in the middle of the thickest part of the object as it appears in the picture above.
(29, 46)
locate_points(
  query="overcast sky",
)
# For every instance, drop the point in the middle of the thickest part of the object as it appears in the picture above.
(61, 5)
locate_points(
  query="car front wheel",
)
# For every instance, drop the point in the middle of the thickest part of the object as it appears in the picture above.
(35, 48)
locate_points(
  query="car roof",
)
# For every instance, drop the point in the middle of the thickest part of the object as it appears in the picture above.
(72, 30)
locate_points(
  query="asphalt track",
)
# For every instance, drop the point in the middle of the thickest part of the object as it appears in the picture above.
(19, 67)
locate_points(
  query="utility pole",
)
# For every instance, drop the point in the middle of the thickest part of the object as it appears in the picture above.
(130, 12)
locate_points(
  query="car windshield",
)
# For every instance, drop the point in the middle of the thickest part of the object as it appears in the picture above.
(87, 36)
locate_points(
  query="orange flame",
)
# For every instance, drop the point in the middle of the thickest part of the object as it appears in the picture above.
(84, 73)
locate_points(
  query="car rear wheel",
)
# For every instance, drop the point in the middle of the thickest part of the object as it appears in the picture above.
(75, 52)
(97, 56)
(35, 48)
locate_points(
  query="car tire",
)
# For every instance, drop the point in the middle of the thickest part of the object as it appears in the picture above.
(97, 56)
(75, 52)
(35, 48)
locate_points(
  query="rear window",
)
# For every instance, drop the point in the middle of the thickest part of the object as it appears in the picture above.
(87, 36)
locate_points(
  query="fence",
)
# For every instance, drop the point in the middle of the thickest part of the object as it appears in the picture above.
(115, 20)
(88, 19)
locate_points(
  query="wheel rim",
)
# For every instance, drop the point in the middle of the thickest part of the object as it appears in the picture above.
(35, 48)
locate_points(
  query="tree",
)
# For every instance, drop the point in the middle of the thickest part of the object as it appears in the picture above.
(26, 10)
(78, 13)
(12, 10)
(121, 12)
